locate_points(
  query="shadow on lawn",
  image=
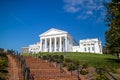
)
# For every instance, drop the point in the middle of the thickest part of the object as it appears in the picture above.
(113, 60)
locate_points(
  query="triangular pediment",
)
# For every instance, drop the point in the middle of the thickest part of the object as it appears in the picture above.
(53, 31)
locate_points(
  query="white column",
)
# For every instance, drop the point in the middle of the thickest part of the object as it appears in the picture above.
(50, 46)
(66, 44)
(45, 44)
(41, 45)
(55, 44)
(60, 45)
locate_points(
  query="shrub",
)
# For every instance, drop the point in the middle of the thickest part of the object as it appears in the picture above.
(41, 57)
(61, 57)
(3, 61)
(71, 67)
(76, 62)
(55, 56)
(3, 66)
(67, 60)
(49, 56)
(3, 55)
(84, 71)
(64, 64)
(102, 77)
(44, 57)
(84, 66)
(58, 60)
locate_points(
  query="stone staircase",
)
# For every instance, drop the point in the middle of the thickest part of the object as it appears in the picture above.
(43, 70)
(20, 74)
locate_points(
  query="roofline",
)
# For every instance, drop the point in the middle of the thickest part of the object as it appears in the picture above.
(25, 47)
(51, 29)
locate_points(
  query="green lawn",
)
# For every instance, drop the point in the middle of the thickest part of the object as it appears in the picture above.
(94, 60)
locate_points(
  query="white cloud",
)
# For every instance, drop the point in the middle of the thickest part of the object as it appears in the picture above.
(86, 8)
(71, 9)
(89, 12)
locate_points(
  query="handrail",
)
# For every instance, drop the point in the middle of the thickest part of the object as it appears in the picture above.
(24, 68)
(109, 74)
(100, 71)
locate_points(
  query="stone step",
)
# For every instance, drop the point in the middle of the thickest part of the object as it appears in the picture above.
(43, 70)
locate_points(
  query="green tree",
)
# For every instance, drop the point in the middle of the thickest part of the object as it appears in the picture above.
(113, 22)
(1, 50)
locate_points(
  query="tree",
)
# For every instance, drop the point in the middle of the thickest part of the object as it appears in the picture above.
(113, 22)
(1, 50)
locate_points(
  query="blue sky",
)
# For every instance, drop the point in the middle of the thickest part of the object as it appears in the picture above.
(21, 21)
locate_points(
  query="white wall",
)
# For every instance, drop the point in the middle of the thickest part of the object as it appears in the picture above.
(89, 45)
(35, 48)
(76, 49)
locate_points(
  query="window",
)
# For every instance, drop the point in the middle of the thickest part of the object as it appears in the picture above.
(62, 42)
(57, 43)
(48, 44)
(93, 49)
(62, 49)
(89, 49)
(85, 49)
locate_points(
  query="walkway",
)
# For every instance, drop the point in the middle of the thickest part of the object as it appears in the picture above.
(41, 69)
(47, 71)
(13, 69)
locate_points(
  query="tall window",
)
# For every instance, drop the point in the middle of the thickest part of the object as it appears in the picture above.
(89, 49)
(48, 44)
(93, 49)
(62, 42)
(85, 49)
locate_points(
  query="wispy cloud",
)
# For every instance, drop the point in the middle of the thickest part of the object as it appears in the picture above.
(17, 19)
(89, 12)
(86, 8)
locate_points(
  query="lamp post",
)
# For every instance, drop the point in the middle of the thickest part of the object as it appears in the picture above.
(64, 49)
(99, 71)
(78, 71)
(60, 67)
(48, 58)
(36, 55)
(24, 67)
(61, 70)
(60, 60)
(28, 73)
(71, 66)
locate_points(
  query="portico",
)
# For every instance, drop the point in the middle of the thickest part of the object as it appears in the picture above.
(55, 40)
(54, 44)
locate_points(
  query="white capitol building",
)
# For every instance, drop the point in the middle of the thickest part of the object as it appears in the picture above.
(55, 40)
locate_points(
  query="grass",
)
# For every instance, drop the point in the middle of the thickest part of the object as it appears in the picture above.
(94, 60)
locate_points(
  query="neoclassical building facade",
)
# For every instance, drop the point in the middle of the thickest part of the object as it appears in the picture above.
(55, 40)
